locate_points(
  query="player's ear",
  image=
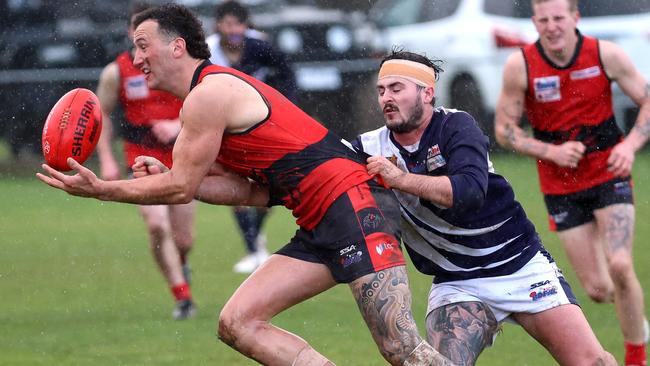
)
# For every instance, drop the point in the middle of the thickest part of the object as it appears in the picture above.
(178, 46)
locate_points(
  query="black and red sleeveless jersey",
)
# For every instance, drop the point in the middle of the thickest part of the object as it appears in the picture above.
(305, 166)
(571, 103)
(142, 107)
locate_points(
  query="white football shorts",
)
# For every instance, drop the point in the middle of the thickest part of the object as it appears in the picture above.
(537, 286)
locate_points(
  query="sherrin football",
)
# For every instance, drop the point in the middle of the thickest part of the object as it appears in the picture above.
(72, 128)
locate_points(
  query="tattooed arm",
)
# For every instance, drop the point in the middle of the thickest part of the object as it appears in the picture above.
(509, 111)
(461, 331)
(620, 68)
(384, 299)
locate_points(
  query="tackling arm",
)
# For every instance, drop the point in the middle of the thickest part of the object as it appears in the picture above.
(108, 94)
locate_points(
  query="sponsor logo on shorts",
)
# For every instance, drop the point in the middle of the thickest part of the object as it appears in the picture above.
(348, 249)
(558, 218)
(622, 188)
(351, 258)
(371, 221)
(547, 89)
(544, 292)
(538, 284)
(381, 247)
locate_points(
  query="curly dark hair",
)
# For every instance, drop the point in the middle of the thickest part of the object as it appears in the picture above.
(398, 53)
(176, 20)
(233, 8)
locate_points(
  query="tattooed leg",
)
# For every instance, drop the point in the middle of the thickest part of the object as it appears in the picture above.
(384, 299)
(461, 331)
(616, 222)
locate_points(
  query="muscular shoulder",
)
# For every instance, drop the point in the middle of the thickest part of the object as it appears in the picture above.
(229, 99)
(614, 59)
(514, 71)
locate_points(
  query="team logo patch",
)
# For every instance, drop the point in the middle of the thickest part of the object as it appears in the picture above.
(135, 87)
(350, 257)
(371, 221)
(590, 72)
(434, 158)
(544, 292)
(547, 89)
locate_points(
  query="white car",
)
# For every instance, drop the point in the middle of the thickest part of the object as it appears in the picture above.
(474, 38)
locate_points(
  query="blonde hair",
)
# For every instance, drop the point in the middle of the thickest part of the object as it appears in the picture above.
(573, 4)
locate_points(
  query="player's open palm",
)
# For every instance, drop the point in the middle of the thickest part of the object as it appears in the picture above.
(621, 160)
(84, 184)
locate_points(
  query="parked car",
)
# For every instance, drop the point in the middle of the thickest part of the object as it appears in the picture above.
(330, 63)
(474, 38)
(46, 49)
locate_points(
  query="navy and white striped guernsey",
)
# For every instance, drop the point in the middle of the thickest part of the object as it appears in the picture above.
(486, 232)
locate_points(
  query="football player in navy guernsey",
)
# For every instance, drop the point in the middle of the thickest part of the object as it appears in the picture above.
(462, 225)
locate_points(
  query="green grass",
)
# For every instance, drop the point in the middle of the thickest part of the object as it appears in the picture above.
(79, 287)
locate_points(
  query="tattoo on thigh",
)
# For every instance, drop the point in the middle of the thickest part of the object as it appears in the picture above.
(620, 226)
(385, 303)
(461, 331)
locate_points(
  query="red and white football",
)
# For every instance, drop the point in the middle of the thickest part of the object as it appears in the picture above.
(72, 128)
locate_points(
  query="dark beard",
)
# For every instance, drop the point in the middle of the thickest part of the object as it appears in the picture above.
(413, 122)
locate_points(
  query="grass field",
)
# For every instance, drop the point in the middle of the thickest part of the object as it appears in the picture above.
(79, 287)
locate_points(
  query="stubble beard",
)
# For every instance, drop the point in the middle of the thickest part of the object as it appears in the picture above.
(412, 123)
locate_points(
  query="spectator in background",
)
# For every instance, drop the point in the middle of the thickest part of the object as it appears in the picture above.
(238, 46)
(151, 128)
(563, 81)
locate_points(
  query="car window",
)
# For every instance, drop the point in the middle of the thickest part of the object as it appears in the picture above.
(392, 13)
(597, 8)
(513, 9)
(438, 9)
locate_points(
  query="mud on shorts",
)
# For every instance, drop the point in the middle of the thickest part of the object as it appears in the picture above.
(358, 235)
(571, 210)
(537, 286)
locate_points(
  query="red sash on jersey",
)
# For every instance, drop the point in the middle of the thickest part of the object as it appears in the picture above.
(571, 103)
(305, 166)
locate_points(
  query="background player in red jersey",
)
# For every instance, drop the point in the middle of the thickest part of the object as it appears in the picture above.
(150, 128)
(273, 153)
(584, 163)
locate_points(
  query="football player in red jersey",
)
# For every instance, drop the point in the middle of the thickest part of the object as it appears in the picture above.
(261, 149)
(150, 128)
(562, 81)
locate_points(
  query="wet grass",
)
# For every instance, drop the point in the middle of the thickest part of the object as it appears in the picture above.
(79, 286)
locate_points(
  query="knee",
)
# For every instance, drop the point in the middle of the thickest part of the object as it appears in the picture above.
(235, 328)
(157, 230)
(621, 269)
(184, 243)
(600, 293)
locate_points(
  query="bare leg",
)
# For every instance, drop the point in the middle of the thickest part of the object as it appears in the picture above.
(565, 333)
(181, 218)
(384, 299)
(616, 224)
(278, 284)
(461, 331)
(161, 242)
(585, 250)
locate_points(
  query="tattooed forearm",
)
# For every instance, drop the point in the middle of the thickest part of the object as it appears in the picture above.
(461, 331)
(643, 128)
(620, 227)
(384, 299)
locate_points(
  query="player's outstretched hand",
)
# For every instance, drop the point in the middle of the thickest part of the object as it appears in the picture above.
(84, 184)
(147, 165)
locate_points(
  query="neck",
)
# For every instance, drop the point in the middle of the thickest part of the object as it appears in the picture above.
(180, 87)
(412, 137)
